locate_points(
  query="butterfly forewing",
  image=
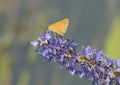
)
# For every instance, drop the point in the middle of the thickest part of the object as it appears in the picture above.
(59, 27)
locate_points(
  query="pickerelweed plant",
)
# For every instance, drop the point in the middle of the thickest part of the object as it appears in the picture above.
(88, 63)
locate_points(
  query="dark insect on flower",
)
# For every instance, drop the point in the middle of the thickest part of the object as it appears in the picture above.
(87, 63)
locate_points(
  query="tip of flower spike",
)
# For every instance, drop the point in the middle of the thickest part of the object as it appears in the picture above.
(34, 43)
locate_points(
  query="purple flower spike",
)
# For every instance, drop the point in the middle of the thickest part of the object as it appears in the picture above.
(87, 63)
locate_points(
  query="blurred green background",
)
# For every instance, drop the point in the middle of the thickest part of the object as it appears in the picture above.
(92, 22)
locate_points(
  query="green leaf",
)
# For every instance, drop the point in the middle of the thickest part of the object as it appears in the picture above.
(112, 44)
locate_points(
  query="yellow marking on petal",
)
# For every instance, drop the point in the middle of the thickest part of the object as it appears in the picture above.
(83, 59)
(43, 42)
